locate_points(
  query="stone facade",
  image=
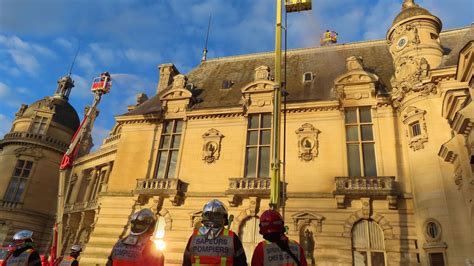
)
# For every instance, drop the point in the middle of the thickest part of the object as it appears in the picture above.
(379, 139)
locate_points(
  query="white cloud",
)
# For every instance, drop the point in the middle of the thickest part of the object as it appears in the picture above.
(142, 56)
(5, 125)
(25, 61)
(103, 54)
(6, 93)
(64, 43)
(81, 87)
(86, 62)
(99, 133)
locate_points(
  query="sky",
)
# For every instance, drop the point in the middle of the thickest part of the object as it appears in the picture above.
(131, 38)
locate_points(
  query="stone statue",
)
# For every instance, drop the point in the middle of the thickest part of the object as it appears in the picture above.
(307, 242)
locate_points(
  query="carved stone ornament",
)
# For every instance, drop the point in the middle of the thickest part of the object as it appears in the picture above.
(212, 145)
(302, 219)
(414, 115)
(366, 207)
(408, 79)
(262, 72)
(30, 151)
(194, 218)
(179, 81)
(354, 63)
(21, 111)
(458, 180)
(307, 142)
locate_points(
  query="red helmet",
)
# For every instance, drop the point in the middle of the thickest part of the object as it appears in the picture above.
(271, 222)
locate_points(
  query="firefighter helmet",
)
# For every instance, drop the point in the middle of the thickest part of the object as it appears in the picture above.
(76, 248)
(22, 238)
(215, 212)
(271, 222)
(142, 221)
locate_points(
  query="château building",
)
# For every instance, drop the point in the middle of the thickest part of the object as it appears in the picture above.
(378, 148)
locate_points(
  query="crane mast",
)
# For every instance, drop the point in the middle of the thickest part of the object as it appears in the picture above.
(101, 85)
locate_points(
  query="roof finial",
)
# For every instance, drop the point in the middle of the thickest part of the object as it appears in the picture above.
(204, 52)
(408, 4)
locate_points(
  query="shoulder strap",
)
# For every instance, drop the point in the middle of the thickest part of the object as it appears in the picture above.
(288, 251)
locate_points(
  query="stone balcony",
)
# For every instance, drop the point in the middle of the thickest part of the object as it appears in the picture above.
(169, 187)
(247, 187)
(81, 206)
(5, 204)
(379, 187)
(23, 136)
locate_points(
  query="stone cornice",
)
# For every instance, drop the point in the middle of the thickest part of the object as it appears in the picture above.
(101, 153)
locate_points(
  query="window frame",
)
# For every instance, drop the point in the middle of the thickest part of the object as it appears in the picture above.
(15, 198)
(360, 142)
(43, 120)
(258, 146)
(169, 149)
(369, 250)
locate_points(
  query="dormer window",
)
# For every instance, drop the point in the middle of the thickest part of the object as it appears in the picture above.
(39, 125)
(226, 84)
(308, 77)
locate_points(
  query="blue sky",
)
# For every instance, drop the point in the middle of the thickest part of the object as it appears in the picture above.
(130, 38)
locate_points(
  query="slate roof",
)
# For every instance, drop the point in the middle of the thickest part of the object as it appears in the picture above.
(326, 63)
(64, 113)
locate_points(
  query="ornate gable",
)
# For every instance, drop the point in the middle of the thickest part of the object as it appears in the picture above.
(257, 95)
(356, 86)
(177, 99)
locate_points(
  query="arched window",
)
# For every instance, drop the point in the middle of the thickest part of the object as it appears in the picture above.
(248, 233)
(368, 247)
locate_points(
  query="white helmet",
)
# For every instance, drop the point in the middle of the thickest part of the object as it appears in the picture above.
(215, 212)
(76, 248)
(142, 221)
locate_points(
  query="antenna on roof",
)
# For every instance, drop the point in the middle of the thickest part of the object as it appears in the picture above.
(73, 61)
(204, 52)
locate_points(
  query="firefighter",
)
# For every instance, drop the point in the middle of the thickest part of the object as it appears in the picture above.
(72, 258)
(137, 248)
(276, 249)
(25, 253)
(212, 243)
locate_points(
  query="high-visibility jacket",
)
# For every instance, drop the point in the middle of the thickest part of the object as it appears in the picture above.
(270, 254)
(20, 260)
(142, 253)
(218, 251)
(67, 261)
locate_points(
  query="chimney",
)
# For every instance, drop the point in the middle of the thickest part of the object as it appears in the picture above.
(167, 72)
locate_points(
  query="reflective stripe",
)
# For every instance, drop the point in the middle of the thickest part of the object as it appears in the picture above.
(219, 251)
(21, 260)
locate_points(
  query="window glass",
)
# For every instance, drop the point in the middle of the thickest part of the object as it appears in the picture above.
(179, 126)
(253, 121)
(436, 259)
(366, 132)
(360, 142)
(163, 155)
(169, 149)
(252, 138)
(353, 158)
(352, 133)
(264, 166)
(266, 121)
(18, 181)
(176, 141)
(165, 143)
(351, 116)
(251, 162)
(365, 115)
(258, 145)
(172, 164)
(265, 137)
(168, 126)
(369, 159)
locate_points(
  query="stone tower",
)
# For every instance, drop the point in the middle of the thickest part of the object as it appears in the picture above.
(29, 161)
(414, 44)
